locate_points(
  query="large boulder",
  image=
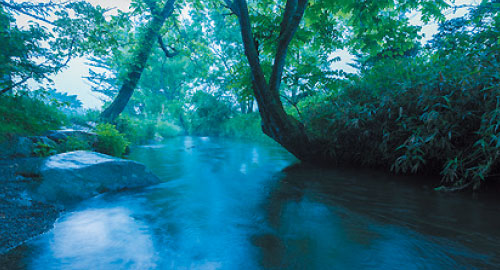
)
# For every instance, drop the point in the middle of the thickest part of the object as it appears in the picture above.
(74, 176)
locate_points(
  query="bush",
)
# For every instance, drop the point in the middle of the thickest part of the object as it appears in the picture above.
(208, 115)
(140, 131)
(110, 141)
(27, 116)
(136, 130)
(416, 115)
(167, 129)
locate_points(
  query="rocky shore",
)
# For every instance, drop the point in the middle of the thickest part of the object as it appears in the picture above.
(21, 218)
(34, 191)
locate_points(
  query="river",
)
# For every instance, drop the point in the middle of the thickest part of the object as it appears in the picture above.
(227, 204)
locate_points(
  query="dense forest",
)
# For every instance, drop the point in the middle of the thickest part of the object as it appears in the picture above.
(265, 70)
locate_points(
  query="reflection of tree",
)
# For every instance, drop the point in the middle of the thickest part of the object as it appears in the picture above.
(334, 216)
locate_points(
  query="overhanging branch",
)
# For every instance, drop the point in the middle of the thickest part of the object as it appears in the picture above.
(21, 10)
(12, 86)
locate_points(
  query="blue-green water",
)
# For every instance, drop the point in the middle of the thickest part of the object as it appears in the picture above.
(236, 205)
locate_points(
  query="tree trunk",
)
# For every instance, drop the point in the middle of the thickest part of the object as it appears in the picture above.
(250, 106)
(278, 125)
(138, 62)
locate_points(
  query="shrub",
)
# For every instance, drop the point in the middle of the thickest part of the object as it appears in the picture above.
(167, 129)
(86, 119)
(110, 141)
(416, 115)
(208, 115)
(26, 116)
(136, 130)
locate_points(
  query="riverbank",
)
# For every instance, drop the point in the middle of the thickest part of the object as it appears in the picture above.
(35, 191)
(21, 218)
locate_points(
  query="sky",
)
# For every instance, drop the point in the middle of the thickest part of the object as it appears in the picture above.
(71, 80)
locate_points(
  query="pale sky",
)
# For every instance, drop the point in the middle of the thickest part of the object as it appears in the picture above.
(71, 79)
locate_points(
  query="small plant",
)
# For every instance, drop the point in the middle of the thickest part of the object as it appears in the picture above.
(44, 150)
(110, 141)
(73, 144)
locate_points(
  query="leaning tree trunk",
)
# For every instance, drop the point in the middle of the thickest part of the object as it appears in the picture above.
(138, 61)
(276, 123)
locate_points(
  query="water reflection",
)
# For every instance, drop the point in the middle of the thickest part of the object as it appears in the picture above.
(235, 205)
(209, 214)
(324, 219)
(106, 238)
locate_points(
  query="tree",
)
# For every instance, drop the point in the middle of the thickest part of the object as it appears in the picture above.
(58, 32)
(365, 20)
(276, 123)
(139, 58)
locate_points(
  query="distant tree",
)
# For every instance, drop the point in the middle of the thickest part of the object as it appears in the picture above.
(138, 58)
(57, 32)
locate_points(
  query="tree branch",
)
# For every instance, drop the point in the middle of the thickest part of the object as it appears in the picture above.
(291, 19)
(233, 6)
(152, 7)
(251, 50)
(12, 86)
(294, 104)
(22, 11)
(165, 50)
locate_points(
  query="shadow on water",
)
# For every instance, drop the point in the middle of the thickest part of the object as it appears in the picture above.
(352, 219)
(228, 204)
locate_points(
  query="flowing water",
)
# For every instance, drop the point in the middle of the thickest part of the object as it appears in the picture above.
(226, 204)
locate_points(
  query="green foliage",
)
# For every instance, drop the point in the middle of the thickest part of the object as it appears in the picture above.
(110, 141)
(412, 107)
(25, 115)
(73, 144)
(167, 129)
(136, 130)
(139, 131)
(44, 150)
(36, 52)
(208, 115)
(428, 114)
(85, 119)
(244, 126)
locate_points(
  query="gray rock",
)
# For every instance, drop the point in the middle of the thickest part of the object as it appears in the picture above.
(61, 135)
(74, 176)
(23, 147)
(16, 147)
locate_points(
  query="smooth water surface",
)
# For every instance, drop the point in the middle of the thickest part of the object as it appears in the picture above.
(236, 205)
